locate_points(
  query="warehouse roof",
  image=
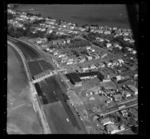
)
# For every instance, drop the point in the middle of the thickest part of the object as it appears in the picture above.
(88, 73)
(73, 77)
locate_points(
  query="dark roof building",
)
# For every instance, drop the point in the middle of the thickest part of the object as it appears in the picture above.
(97, 74)
(74, 78)
(77, 77)
(88, 74)
(100, 76)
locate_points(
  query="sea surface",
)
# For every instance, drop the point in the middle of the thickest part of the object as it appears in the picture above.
(17, 78)
(91, 14)
(21, 117)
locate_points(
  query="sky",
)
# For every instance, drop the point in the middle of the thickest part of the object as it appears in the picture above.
(101, 14)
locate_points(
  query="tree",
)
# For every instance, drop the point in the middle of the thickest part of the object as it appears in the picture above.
(134, 129)
(51, 36)
(36, 22)
(39, 15)
(9, 16)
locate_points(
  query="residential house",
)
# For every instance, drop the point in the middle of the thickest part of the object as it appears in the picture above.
(117, 97)
(106, 121)
(113, 129)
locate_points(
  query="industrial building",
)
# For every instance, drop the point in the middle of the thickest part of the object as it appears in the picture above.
(76, 78)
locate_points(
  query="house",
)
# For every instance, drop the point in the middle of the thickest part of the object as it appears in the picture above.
(61, 55)
(85, 68)
(47, 49)
(104, 55)
(89, 57)
(117, 97)
(71, 59)
(133, 89)
(100, 31)
(97, 57)
(106, 80)
(134, 52)
(126, 39)
(39, 41)
(127, 94)
(107, 32)
(108, 45)
(121, 61)
(124, 113)
(114, 129)
(69, 63)
(92, 66)
(114, 28)
(106, 121)
(68, 40)
(58, 42)
(134, 112)
(131, 41)
(88, 47)
(99, 39)
(55, 53)
(82, 60)
(109, 64)
(118, 78)
(93, 50)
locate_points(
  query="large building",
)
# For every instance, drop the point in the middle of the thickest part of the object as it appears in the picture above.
(76, 78)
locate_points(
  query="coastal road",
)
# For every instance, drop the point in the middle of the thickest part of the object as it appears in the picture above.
(32, 88)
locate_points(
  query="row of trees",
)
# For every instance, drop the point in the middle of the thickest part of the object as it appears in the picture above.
(10, 16)
(76, 43)
(20, 32)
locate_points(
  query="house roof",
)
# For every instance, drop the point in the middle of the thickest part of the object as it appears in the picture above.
(112, 127)
(106, 120)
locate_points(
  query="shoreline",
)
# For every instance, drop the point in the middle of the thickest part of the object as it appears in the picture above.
(112, 20)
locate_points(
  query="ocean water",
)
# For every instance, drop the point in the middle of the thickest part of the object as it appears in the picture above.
(100, 14)
(21, 117)
(17, 78)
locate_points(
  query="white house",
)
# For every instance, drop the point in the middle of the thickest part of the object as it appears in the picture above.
(108, 45)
